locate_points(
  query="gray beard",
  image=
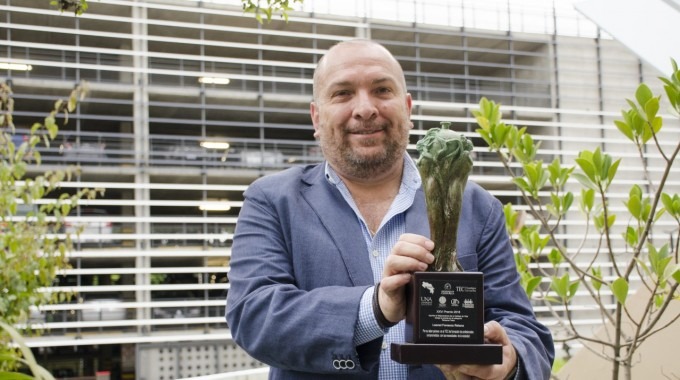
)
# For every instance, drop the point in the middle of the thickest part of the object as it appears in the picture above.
(367, 167)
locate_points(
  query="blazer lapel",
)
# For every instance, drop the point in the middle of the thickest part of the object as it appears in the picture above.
(340, 222)
(416, 216)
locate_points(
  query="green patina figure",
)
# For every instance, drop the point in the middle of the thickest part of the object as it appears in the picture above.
(444, 165)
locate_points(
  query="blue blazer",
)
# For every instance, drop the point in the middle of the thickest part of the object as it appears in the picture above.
(299, 267)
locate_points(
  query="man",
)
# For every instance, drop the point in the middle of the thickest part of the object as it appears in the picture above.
(312, 242)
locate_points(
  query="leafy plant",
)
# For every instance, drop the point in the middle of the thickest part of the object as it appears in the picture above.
(272, 7)
(78, 7)
(656, 263)
(25, 358)
(31, 252)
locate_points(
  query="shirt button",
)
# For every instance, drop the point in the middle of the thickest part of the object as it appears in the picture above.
(376, 253)
(384, 345)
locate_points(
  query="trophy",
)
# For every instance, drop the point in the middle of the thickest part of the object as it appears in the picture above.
(445, 305)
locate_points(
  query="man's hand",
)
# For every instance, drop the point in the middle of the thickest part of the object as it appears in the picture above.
(493, 333)
(411, 253)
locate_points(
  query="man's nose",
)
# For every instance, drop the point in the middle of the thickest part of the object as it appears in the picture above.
(364, 106)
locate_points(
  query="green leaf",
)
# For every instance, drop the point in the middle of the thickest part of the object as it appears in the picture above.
(561, 286)
(659, 300)
(597, 163)
(573, 288)
(486, 136)
(522, 184)
(598, 220)
(634, 120)
(584, 180)
(643, 94)
(531, 285)
(596, 280)
(625, 129)
(611, 219)
(620, 289)
(673, 92)
(631, 236)
(635, 192)
(671, 271)
(528, 142)
(522, 262)
(499, 132)
(656, 124)
(633, 106)
(554, 170)
(510, 218)
(553, 210)
(555, 257)
(676, 274)
(644, 266)
(587, 200)
(588, 168)
(611, 171)
(669, 203)
(15, 376)
(659, 259)
(634, 206)
(651, 108)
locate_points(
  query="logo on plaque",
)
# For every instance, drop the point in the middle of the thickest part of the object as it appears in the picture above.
(428, 286)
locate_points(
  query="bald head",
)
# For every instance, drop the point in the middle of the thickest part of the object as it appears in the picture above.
(358, 47)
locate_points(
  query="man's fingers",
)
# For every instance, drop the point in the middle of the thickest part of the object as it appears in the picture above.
(411, 253)
(394, 283)
(451, 372)
(399, 264)
(417, 240)
(495, 333)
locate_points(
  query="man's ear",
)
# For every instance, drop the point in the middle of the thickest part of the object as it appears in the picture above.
(314, 112)
(409, 104)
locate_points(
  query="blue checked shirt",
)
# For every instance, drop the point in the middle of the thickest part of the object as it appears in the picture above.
(379, 247)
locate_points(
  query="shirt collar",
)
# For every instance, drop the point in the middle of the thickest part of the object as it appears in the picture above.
(410, 178)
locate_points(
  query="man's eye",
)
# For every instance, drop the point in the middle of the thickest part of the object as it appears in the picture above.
(384, 90)
(341, 93)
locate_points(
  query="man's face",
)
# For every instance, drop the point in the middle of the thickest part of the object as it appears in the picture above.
(361, 111)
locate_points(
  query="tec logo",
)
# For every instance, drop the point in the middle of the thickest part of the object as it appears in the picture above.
(342, 362)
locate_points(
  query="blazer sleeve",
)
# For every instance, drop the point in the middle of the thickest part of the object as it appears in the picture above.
(271, 316)
(507, 303)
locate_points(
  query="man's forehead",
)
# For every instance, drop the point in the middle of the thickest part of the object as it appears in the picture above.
(369, 56)
(356, 80)
(358, 51)
(377, 66)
